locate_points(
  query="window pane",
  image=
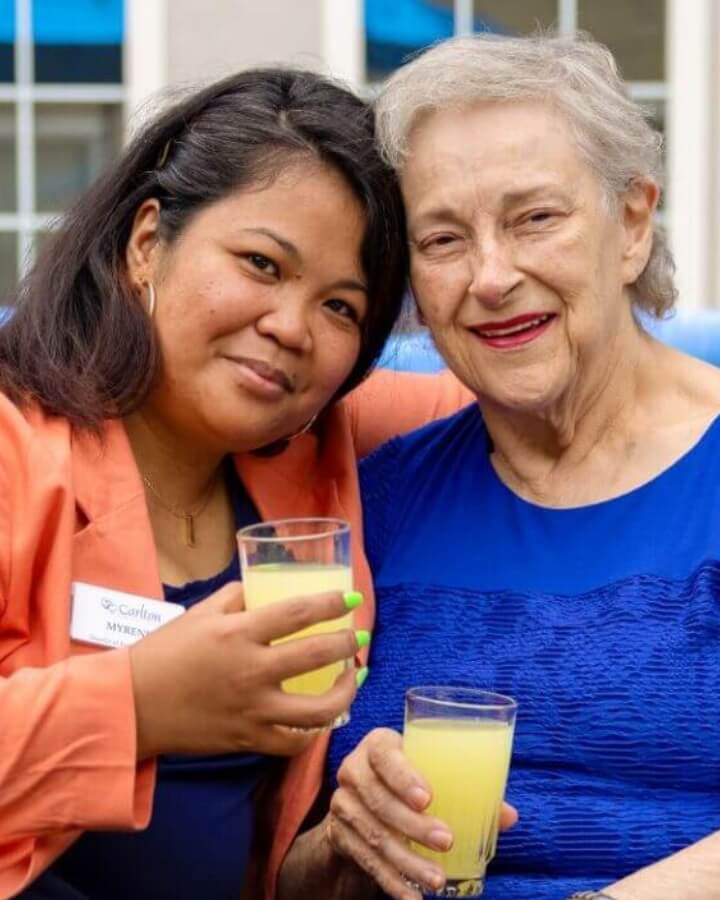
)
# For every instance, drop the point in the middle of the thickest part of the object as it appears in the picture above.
(74, 143)
(78, 41)
(396, 28)
(514, 16)
(8, 188)
(635, 32)
(7, 40)
(8, 263)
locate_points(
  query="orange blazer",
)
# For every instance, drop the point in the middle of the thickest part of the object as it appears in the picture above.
(73, 509)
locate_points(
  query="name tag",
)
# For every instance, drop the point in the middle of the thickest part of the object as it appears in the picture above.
(111, 618)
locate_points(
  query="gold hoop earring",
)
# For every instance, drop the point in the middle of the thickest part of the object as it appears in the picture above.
(303, 430)
(152, 299)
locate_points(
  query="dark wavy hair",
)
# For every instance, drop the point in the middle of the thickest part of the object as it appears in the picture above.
(80, 344)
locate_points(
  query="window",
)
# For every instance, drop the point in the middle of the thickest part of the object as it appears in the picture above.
(61, 103)
(635, 32)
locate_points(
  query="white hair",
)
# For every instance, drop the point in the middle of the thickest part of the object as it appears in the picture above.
(576, 76)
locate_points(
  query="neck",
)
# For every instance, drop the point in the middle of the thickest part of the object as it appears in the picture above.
(180, 474)
(605, 406)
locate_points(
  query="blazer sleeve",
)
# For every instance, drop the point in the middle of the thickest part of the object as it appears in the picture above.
(392, 403)
(67, 730)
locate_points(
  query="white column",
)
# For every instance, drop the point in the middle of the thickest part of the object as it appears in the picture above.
(25, 132)
(715, 159)
(689, 169)
(146, 68)
(464, 17)
(344, 40)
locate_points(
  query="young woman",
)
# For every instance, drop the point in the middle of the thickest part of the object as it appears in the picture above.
(173, 370)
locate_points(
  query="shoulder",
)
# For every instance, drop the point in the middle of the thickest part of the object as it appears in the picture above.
(428, 444)
(32, 443)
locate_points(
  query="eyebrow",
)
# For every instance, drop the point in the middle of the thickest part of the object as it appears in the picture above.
(345, 284)
(541, 190)
(282, 242)
(512, 198)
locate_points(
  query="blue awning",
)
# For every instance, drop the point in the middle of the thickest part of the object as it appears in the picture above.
(68, 21)
(7, 21)
(414, 23)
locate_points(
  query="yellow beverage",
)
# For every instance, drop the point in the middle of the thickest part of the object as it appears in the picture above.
(265, 584)
(466, 762)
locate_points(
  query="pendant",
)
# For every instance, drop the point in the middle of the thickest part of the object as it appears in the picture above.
(189, 531)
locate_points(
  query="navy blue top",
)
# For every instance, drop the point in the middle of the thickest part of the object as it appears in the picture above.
(602, 621)
(199, 837)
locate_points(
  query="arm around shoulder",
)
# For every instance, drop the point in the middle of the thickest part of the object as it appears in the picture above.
(392, 403)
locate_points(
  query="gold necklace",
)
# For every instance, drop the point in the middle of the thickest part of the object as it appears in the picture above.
(187, 515)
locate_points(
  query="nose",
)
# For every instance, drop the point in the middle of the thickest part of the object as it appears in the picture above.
(494, 273)
(287, 322)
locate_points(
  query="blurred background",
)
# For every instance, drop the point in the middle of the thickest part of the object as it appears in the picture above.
(75, 75)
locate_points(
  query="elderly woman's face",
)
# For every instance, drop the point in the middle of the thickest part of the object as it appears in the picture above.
(518, 266)
(260, 302)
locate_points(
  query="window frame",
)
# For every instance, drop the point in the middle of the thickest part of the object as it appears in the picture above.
(23, 94)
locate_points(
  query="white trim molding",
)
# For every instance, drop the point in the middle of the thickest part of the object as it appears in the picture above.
(343, 40)
(690, 164)
(145, 56)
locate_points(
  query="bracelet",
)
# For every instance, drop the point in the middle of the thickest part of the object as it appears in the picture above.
(591, 895)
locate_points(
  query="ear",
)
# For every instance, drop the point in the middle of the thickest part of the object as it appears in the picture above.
(639, 203)
(142, 246)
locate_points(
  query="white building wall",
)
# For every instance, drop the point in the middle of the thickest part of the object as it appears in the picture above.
(233, 34)
(692, 167)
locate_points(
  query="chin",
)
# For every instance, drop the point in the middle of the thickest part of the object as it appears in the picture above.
(529, 399)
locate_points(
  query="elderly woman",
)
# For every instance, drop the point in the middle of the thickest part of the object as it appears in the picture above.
(220, 290)
(558, 540)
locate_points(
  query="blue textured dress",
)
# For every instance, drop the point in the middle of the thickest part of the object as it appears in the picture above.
(602, 621)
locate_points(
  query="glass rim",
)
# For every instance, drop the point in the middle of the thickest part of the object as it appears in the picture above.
(493, 700)
(333, 526)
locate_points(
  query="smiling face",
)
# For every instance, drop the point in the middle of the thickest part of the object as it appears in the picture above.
(517, 263)
(260, 300)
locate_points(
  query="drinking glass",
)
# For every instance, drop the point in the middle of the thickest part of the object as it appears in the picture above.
(460, 739)
(293, 558)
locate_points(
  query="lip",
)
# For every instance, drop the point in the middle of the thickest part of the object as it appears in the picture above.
(492, 334)
(262, 377)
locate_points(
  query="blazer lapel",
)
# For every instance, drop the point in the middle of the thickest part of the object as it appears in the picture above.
(115, 548)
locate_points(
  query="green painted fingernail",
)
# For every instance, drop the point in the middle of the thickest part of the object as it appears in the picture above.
(353, 599)
(360, 676)
(363, 638)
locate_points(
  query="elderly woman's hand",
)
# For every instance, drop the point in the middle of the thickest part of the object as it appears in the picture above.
(378, 805)
(210, 680)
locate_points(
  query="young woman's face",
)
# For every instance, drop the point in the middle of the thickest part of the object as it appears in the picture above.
(260, 302)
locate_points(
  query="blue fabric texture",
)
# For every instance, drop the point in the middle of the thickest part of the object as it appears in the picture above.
(198, 841)
(602, 621)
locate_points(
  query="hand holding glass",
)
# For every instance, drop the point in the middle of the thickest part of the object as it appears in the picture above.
(460, 739)
(295, 558)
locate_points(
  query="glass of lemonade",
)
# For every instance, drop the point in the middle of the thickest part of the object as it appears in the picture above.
(294, 558)
(460, 739)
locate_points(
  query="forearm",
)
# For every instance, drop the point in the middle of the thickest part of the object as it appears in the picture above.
(691, 874)
(313, 869)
